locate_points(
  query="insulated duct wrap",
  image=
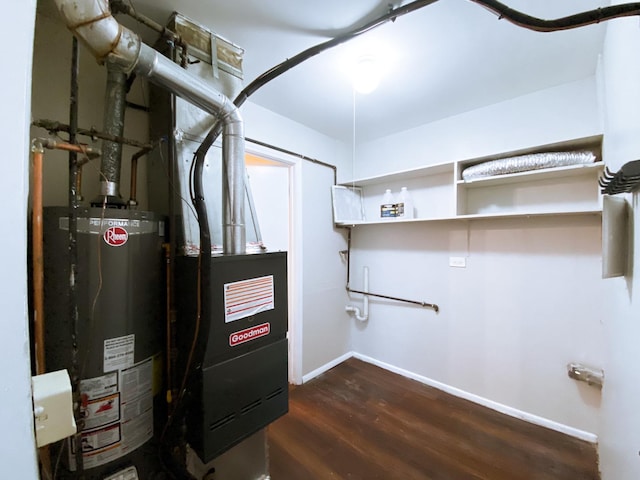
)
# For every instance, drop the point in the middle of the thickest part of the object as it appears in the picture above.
(113, 124)
(523, 163)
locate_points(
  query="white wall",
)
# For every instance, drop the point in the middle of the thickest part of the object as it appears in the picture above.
(547, 116)
(264, 125)
(620, 431)
(17, 455)
(530, 299)
(271, 196)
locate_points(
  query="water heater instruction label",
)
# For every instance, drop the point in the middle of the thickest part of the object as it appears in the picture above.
(118, 352)
(117, 409)
(248, 297)
(100, 401)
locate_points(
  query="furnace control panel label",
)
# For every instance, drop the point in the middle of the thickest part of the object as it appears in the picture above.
(248, 297)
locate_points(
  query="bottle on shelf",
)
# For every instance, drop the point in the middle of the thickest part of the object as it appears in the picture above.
(388, 207)
(405, 204)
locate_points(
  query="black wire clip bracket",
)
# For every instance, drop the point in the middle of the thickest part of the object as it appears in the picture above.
(625, 180)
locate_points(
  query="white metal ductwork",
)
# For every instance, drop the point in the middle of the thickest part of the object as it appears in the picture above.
(92, 23)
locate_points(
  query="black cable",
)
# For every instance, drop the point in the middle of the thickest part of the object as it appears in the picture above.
(315, 50)
(565, 23)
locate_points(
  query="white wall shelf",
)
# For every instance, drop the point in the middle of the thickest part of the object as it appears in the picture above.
(533, 175)
(402, 175)
(439, 193)
(457, 218)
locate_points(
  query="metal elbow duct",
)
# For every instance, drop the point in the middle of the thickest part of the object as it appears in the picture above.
(91, 21)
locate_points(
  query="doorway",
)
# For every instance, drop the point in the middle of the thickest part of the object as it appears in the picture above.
(273, 187)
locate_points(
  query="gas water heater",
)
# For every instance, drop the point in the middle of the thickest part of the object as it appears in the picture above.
(120, 333)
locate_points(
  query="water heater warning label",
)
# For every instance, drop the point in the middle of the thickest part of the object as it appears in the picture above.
(248, 297)
(117, 409)
(118, 353)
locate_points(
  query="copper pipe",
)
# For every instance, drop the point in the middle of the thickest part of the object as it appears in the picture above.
(169, 354)
(67, 147)
(79, 181)
(38, 253)
(54, 126)
(52, 144)
(133, 201)
(37, 237)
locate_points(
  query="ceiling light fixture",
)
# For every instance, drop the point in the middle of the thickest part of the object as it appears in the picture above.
(365, 74)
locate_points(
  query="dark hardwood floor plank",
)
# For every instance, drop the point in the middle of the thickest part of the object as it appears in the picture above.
(358, 421)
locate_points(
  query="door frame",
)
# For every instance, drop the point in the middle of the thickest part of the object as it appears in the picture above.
(294, 255)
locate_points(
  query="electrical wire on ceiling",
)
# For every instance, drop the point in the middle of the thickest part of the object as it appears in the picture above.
(503, 11)
(564, 23)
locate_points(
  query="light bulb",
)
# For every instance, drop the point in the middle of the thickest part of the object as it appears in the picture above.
(366, 75)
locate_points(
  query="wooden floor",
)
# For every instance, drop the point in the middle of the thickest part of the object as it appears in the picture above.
(358, 421)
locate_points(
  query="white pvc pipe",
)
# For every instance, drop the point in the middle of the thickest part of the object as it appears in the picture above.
(364, 316)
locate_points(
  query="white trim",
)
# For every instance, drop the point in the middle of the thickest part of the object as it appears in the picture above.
(294, 255)
(296, 274)
(327, 366)
(485, 402)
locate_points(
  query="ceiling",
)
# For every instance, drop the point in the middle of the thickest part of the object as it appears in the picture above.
(442, 60)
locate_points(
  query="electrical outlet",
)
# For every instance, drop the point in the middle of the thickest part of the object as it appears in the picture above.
(460, 262)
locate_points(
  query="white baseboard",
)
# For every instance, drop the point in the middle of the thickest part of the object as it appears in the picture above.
(326, 366)
(485, 402)
(512, 412)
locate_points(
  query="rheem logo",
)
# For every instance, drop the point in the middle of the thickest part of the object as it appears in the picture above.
(116, 236)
